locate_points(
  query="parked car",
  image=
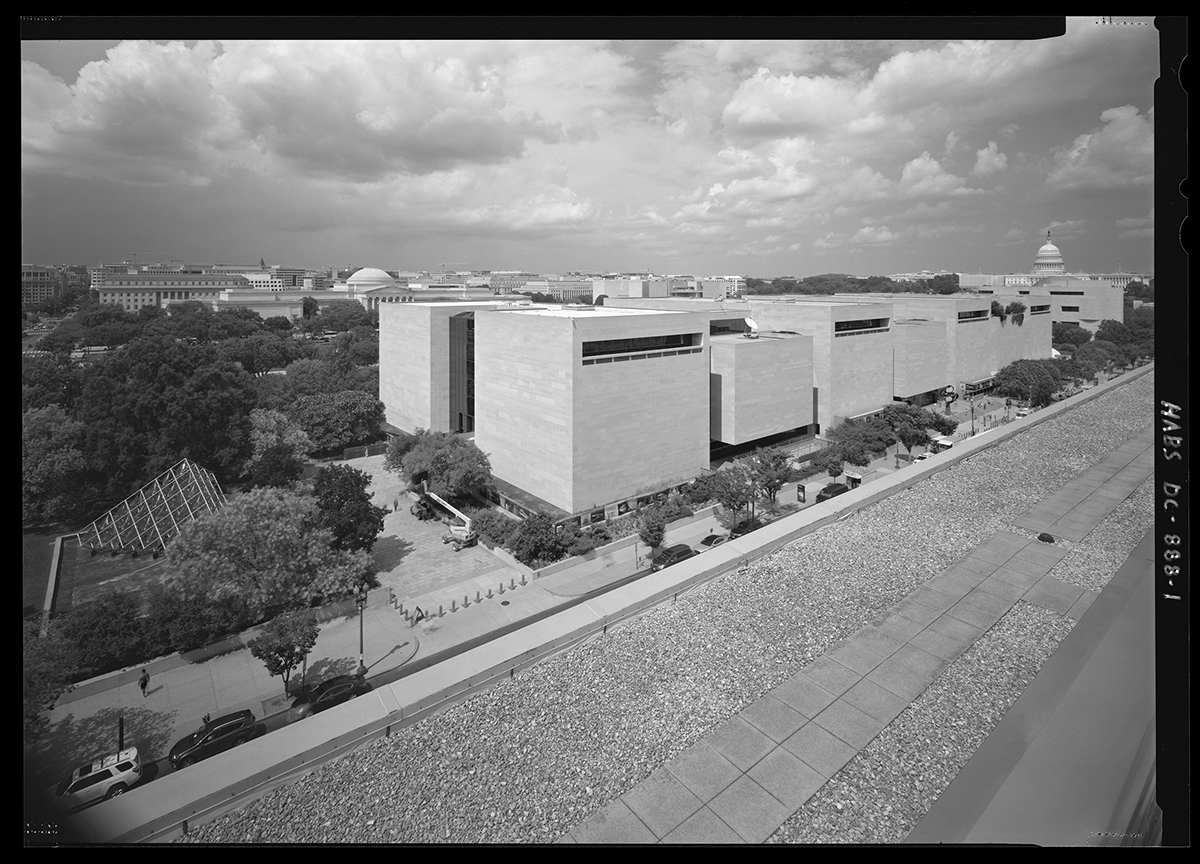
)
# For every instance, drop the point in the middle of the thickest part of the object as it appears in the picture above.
(335, 691)
(671, 555)
(710, 542)
(832, 491)
(100, 779)
(212, 737)
(1024, 412)
(744, 527)
(921, 456)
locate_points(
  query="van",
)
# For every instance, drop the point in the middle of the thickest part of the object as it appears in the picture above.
(937, 445)
(832, 491)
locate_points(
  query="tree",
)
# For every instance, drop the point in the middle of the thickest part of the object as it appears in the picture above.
(945, 283)
(310, 308)
(860, 440)
(829, 459)
(652, 527)
(262, 351)
(278, 324)
(339, 316)
(277, 466)
(157, 401)
(1069, 333)
(285, 642)
(1016, 309)
(105, 633)
(53, 467)
(397, 449)
(344, 507)
(537, 542)
(269, 429)
(48, 670)
(772, 470)
(734, 488)
(454, 467)
(1034, 380)
(47, 381)
(358, 347)
(339, 420)
(910, 425)
(1114, 332)
(262, 548)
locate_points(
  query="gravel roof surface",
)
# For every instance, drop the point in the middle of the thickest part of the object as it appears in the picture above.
(529, 759)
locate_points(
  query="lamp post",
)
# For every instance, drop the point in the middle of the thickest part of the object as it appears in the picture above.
(362, 608)
(972, 401)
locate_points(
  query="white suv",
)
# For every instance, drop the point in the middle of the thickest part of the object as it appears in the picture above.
(102, 778)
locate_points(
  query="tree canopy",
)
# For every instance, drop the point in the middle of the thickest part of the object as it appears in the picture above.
(265, 548)
(334, 421)
(453, 466)
(284, 643)
(48, 669)
(344, 507)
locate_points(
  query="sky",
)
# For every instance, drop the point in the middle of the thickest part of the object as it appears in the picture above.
(760, 158)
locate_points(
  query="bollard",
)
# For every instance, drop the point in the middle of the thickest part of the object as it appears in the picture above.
(441, 611)
(478, 598)
(453, 608)
(466, 600)
(489, 593)
(512, 584)
(522, 578)
(501, 587)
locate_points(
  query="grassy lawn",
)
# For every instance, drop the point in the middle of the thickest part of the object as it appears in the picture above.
(37, 550)
(84, 577)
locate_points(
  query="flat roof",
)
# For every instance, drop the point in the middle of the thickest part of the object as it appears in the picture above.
(577, 311)
(741, 337)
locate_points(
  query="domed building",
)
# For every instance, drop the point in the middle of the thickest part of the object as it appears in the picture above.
(1085, 299)
(368, 278)
(371, 286)
(1049, 261)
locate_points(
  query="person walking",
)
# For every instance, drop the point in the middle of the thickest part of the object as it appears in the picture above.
(144, 682)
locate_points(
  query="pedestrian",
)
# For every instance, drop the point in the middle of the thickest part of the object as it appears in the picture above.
(395, 504)
(419, 617)
(143, 682)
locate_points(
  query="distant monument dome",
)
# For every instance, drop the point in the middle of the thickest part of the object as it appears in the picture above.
(370, 277)
(1049, 260)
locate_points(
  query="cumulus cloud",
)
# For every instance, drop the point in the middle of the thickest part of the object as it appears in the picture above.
(1116, 155)
(925, 176)
(989, 160)
(1136, 228)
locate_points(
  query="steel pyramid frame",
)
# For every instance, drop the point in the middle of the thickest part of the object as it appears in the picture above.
(152, 516)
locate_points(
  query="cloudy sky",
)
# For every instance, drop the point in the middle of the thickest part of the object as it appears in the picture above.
(707, 157)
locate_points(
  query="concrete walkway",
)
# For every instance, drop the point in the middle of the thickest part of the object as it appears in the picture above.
(740, 783)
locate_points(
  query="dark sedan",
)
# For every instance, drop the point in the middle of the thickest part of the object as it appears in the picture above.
(744, 527)
(335, 691)
(212, 737)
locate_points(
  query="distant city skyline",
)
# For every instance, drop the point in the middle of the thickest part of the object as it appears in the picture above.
(867, 157)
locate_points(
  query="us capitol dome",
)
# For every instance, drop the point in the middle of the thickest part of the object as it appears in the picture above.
(1049, 260)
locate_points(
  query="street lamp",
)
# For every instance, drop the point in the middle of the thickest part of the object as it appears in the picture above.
(362, 608)
(972, 401)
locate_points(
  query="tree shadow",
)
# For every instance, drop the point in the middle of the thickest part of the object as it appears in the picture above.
(73, 742)
(390, 551)
(325, 668)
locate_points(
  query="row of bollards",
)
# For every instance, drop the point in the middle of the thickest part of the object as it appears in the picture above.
(410, 614)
